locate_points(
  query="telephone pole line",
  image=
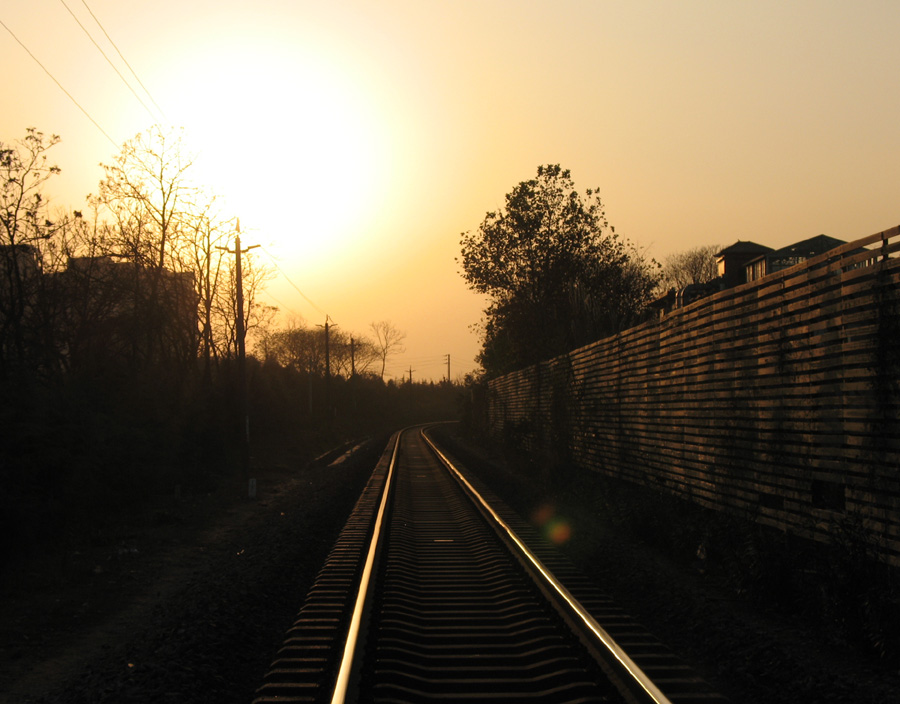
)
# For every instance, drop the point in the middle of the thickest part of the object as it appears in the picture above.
(448, 367)
(240, 333)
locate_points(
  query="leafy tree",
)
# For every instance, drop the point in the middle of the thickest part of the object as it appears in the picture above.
(556, 273)
(692, 266)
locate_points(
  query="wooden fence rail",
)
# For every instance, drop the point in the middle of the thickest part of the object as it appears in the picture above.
(778, 400)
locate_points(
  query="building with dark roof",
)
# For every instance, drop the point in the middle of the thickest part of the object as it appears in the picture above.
(742, 262)
(732, 260)
(786, 257)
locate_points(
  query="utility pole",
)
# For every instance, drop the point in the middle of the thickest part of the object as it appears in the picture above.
(240, 332)
(327, 368)
(327, 353)
(352, 384)
(448, 367)
(352, 357)
(411, 394)
(310, 375)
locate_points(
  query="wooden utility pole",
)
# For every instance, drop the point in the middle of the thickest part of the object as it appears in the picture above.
(352, 357)
(353, 379)
(448, 367)
(240, 333)
(327, 326)
(327, 354)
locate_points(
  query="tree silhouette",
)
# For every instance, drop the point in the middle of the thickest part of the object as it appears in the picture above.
(388, 341)
(691, 266)
(556, 272)
(25, 230)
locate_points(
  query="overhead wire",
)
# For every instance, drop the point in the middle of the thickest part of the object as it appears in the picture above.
(288, 279)
(60, 86)
(124, 60)
(112, 65)
(282, 305)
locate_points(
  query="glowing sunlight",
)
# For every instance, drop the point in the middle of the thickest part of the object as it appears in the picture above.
(292, 146)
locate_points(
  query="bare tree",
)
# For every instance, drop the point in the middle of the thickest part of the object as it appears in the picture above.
(147, 190)
(92, 293)
(25, 229)
(388, 341)
(351, 354)
(204, 256)
(152, 203)
(257, 315)
(366, 353)
(692, 266)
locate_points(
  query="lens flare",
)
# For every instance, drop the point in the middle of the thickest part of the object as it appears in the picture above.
(542, 514)
(558, 531)
(554, 528)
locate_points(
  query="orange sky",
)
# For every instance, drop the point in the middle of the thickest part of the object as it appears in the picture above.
(357, 140)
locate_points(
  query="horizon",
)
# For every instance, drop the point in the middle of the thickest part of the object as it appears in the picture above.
(357, 143)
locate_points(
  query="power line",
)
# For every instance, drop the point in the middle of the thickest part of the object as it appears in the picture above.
(288, 279)
(426, 359)
(140, 83)
(112, 65)
(430, 363)
(53, 78)
(283, 306)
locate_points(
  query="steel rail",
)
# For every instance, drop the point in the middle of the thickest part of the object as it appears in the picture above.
(637, 675)
(345, 671)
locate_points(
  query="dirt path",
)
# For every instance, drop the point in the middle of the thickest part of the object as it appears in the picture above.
(98, 618)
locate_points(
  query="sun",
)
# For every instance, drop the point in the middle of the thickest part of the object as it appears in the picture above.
(288, 142)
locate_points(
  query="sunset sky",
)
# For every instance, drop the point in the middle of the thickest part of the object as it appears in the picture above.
(357, 140)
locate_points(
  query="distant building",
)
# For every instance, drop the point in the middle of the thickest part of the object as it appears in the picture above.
(114, 310)
(96, 312)
(731, 262)
(115, 301)
(742, 262)
(786, 257)
(20, 272)
(19, 259)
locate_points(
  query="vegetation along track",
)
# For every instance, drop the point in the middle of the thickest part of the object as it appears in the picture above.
(435, 590)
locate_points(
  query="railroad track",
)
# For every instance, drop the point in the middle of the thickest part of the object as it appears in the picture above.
(435, 590)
